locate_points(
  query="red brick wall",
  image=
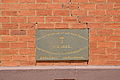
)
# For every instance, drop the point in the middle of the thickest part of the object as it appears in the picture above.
(20, 18)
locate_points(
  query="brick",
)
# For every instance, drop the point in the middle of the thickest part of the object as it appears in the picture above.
(46, 26)
(97, 51)
(103, 19)
(31, 32)
(44, 63)
(10, 26)
(26, 1)
(28, 63)
(97, 38)
(93, 31)
(61, 25)
(44, 12)
(54, 6)
(77, 25)
(9, 1)
(26, 38)
(4, 19)
(112, 25)
(9, 38)
(87, 6)
(106, 44)
(118, 57)
(41, 6)
(18, 32)
(79, 1)
(105, 32)
(77, 63)
(53, 19)
(27, 25)
(65, 63)
(4, 45)
(18, 45)
(27, 51)
(96, 60)
(117, 1)
(10, 6)
(31, 44)
(113, 51)
(71, 6)
(70, 19)
(26, 12)
(113, 12)
(97, 0)
(104, 6)
(19, 58)
(97, 12)
(5, 57)
(116, 18)
(93, 44)
(10, 63)
(9, 51)
(44, 1)
(61, 1)
(9, 13)
(113, 63)
(113, 38)
(35, 19)
(4, 32)
(87, 19)
(79, 12)
(117, 32)
(61, 12)
(31, 58)
(96, 25)
(117, 6)
(107, 57)
(28, 6)
(0, 25)
(18, 19)
(58, 64)
(0, 51)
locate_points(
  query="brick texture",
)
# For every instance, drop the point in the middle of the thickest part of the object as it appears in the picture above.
(19, 20)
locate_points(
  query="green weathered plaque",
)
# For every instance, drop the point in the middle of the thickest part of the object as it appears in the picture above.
(62, 44)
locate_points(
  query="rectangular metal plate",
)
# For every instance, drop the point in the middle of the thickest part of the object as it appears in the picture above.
(62, 44)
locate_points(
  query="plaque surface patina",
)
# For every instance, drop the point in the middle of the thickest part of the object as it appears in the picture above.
(62, 44)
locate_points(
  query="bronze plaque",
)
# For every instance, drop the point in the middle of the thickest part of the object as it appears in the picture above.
(62, 44)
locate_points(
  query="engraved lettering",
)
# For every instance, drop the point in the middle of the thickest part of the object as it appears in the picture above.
(64, 46)
(62, 39)
(47, 57)
(75, 57)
